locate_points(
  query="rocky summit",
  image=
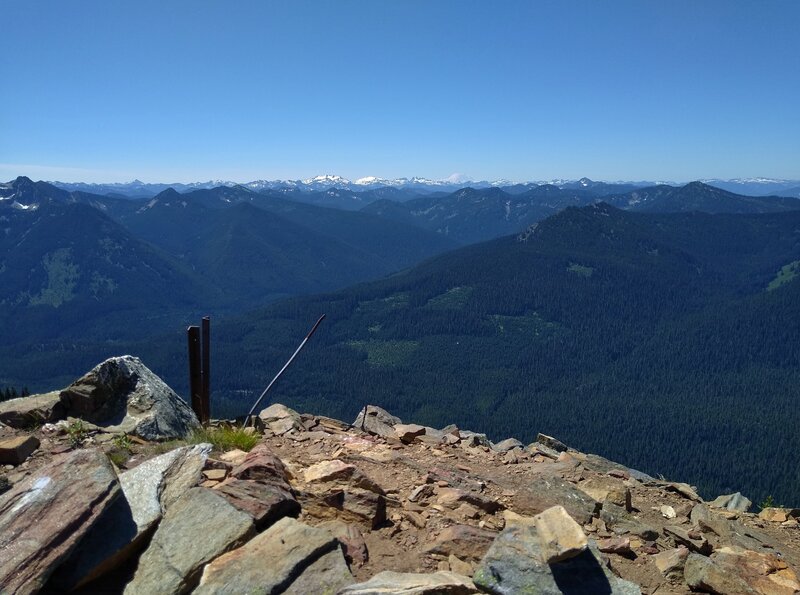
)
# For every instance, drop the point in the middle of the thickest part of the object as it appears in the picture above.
(112, 486)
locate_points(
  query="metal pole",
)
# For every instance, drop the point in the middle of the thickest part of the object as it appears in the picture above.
(195, 371)
(286, 365)
(205, 393)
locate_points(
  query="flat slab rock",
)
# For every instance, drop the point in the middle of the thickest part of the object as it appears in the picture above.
(288, 554)
(409, 583)
(33, 410)
(148, 490)
(198, 528)
(44, 517)
(123, 395)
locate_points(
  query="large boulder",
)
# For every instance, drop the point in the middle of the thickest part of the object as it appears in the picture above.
(517, 563)
(148, 489)
(198, 528)
(289, 557)
(45, 516)
(123, 395)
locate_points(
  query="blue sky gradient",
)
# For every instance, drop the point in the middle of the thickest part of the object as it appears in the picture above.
(192, 90)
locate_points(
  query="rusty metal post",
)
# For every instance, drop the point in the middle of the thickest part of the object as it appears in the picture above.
(195, 371)
(205, 394)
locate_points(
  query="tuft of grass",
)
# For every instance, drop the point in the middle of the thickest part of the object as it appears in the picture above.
(225, 438)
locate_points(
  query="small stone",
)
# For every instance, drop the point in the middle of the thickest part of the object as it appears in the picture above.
(507, 445)
(670, 562)
(668, 512)
(421, 492)
(234, 457)
(616, 545)
(684, 490)
(377, 421)
(459, 566)
(778, 515)
(16, 450)
(692, 540)
(408, 432)
(215, 474)
(561, 537)
(328, 471)
(279, 419)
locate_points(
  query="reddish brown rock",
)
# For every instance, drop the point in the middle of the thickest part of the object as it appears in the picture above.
(265, 502)
(262, 464)
(16, 450)
(616, 545)
(463, 541)
(670, 563)
(44, 517)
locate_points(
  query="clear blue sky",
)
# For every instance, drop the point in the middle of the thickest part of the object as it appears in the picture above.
(96, 90)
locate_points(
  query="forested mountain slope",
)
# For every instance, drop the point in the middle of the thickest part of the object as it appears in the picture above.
(666, 341)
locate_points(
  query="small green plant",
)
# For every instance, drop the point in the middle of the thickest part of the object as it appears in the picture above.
(77, 433)
(768, 502)
(225, 438)
(123, 442)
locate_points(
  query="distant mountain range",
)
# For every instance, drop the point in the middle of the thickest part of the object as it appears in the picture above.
(412, 187)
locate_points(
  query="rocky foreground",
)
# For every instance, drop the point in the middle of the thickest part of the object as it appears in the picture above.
(103, 493)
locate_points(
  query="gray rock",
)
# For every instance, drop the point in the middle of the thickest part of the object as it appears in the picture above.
(275, 560)
(376, 421)
(621, 522)
(695, 542)
(34, 410)
(508, 444)
(551, 442)
(735, 502)
(407, 583)
(279, 419)
(196, 529)
(730, 532)
(123, 395)
(545, 492)
(472, 439)
(125, 527)
(45, 516)
(515, 564)
(702, 573)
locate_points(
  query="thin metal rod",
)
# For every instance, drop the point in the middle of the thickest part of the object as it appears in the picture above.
(286, 365)
(205, 392)
(195, 370)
